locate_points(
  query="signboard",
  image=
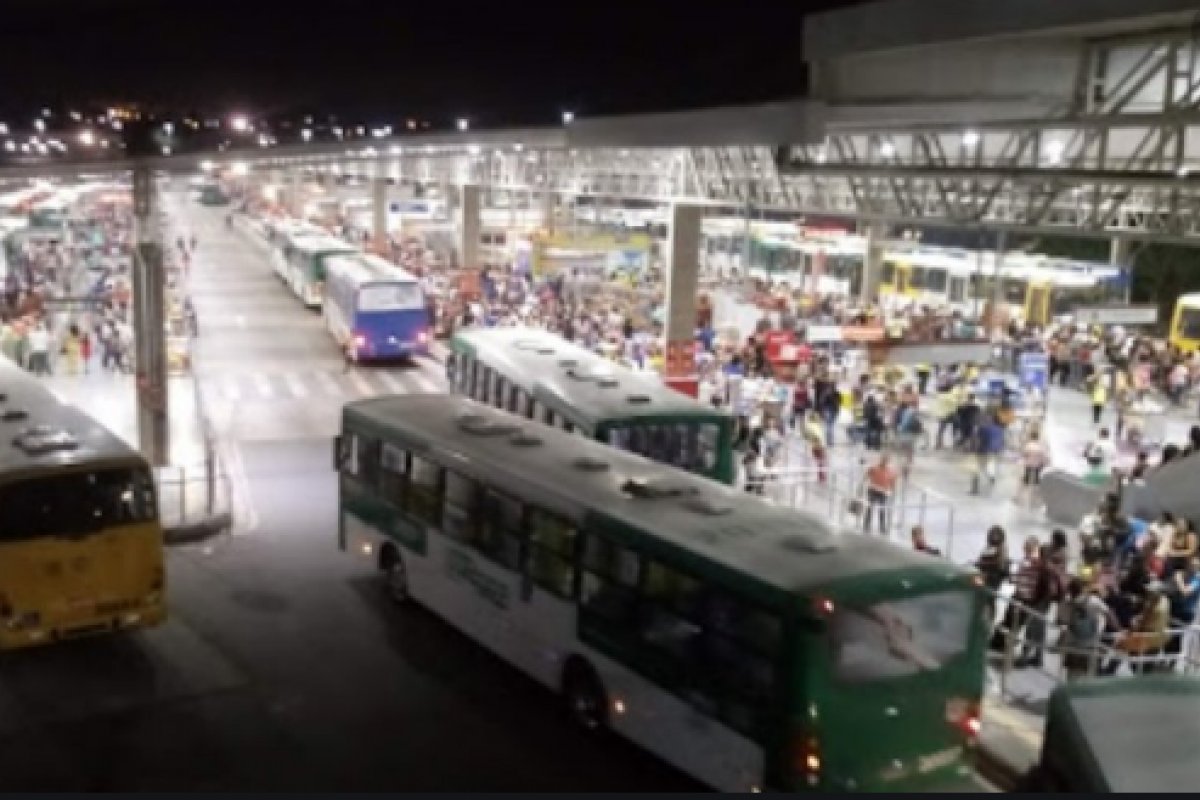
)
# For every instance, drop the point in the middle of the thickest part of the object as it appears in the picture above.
(1116, 315)
(862, 333)
(1034, 369)
(820, 334)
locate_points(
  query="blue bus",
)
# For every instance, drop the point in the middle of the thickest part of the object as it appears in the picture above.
(374, 309)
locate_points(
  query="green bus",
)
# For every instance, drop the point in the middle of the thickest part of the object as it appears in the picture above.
(542, 376)
(1126, 734)
(301, 263)
(752, 647)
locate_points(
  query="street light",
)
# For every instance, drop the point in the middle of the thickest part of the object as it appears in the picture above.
(463, 123)
(568, 117)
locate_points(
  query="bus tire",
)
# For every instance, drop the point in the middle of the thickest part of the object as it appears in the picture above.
(395, 574)
(586, 700)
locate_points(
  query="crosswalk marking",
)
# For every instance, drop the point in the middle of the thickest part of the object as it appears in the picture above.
(331, 385)
(263, 384)
(391, 383)
(296, 385)
(424, 382)
(361, 383)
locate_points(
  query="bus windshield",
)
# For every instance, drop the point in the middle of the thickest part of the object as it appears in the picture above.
(1189, 322)
(691, 446)
(898, 638)
(389, 297)
(75, 504)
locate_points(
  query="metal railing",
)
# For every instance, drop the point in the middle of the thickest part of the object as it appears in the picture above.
(841, 496)
(188, 495)
(1020, 629)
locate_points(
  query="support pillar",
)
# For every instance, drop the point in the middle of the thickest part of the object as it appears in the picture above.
(149, 323)
(996, 317)
(469, 226)
(1120, 254)
(683, 268)
(379, 208)
(872, 274)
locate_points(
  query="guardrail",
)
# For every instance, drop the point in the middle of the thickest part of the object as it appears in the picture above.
(1020, 628)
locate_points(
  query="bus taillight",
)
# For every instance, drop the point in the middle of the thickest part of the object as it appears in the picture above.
(360, 341)
(423, 337)
(808, 758)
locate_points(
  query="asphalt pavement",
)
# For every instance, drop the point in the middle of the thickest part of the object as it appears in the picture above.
(283, 667)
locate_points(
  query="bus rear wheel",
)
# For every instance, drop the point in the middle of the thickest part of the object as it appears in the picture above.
(395, 576)
(585, 698)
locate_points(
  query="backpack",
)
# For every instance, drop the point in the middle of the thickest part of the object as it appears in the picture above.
(912, 424)
(1082, 625)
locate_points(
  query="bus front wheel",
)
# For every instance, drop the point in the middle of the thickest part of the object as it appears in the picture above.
(396, 575)
(586, 700)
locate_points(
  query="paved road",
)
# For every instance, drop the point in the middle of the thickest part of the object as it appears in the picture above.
(283, 668)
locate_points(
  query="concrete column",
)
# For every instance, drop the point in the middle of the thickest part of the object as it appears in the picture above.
(149, 323)
(872, 262)
(998, 282)
(1120, 255)
(683, 268)
(470, 226)
(379, 209)
(547, 214)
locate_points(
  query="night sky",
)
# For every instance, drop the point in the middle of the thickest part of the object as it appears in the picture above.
(510, 62)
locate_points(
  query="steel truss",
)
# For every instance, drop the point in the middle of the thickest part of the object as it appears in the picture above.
(1122, 159)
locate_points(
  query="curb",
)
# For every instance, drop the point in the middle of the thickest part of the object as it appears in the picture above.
(193, 532)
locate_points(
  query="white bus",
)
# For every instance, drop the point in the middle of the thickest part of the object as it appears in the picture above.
(751, 646)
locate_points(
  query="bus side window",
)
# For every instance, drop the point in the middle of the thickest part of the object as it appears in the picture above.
(499, 385)
(466, 373)
(393, 476)
(368, 461)
(460, 516)
(510, 400)
(552, 552)
(501, 529)
(537, 411)
(424, 496)
(348, 455)
(478, 380)
(609, 581)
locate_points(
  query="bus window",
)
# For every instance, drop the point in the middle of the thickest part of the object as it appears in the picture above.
(459, 509)
(888, 274)
(348, 455)
(538, 412)
(499, 389)
(368, 461)
(899, 637)
(511, 403)
(480, 382)
(610, 579)
(708, 441)
(393, 473)
(524, 403)
(75, 503)
(917, 278)
(463, 374)
(501, 529)
(935, 280)
(552, 552)
(424, 490)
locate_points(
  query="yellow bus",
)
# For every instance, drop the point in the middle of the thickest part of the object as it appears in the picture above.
(81, 544)
(1185, 323)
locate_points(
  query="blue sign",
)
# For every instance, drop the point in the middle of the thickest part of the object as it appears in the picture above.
(1034, 369)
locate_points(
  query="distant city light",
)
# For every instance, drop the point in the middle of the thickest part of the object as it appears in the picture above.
(264, 140)
(207, 166)
(360, 131)
(395, 149)
(239, 169)
(39, 125)
(337, 131)
(239, 123)
(463, 123)
(166, 151)
(87, 138)
(168, 128)
(473, 149)
(76, 116)
(568, 117)
(25, 147)
(10, 145)
(970, 138)
(45, 112)
(411, 124)
(3, 129)
(116, 125)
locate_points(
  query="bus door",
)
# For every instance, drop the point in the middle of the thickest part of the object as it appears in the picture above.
(1185, 326)
(1037, 302)
(958, 290)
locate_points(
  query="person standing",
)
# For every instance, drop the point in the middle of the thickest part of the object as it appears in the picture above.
(39, 349)
(881, 484)
(1099, 396)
